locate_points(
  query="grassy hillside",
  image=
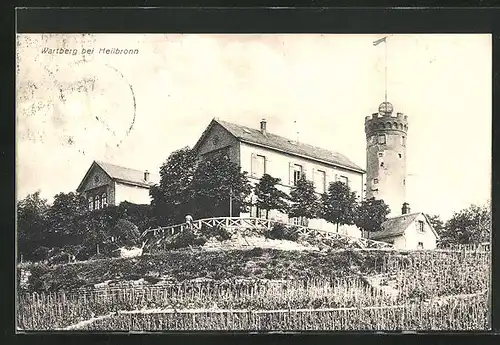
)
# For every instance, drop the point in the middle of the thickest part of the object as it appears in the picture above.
(281, 287)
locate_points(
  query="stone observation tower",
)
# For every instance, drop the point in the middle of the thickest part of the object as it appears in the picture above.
(386, 157)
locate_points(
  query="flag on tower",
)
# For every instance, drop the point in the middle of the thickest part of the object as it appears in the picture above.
(377, 42)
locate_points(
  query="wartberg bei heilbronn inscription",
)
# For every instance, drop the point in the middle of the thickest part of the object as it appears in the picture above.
(253, 182)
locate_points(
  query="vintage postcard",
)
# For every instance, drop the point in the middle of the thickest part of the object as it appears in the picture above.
(253, 182)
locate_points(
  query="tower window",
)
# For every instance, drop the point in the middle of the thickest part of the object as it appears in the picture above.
(399, 154)
(375, 180)
(403, 140)
(382, 164)
(381, 154)
(404, 182)
(381, 138)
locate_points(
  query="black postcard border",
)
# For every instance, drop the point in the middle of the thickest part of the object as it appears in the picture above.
(238, 20)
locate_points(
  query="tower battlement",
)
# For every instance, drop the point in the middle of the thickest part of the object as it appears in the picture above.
(384, 120)
(386, 156)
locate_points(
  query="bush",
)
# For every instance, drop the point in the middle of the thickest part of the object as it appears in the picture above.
(41, 253)
(185, 239)
(219, 232)
(283, 232)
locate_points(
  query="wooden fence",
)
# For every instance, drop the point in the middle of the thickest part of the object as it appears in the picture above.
(240, 224)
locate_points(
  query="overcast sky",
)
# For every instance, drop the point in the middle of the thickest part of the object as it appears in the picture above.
(73, 109)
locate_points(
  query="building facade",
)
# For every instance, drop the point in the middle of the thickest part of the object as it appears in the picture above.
(386, 137)
(260, 152)
(108, 184)
(411, 231)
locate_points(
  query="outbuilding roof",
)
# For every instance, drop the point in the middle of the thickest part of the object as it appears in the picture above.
(397, 225)
(120, 174)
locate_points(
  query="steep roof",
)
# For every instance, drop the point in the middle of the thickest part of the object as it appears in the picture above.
(397, 225)
(276, 142)
(120, 174)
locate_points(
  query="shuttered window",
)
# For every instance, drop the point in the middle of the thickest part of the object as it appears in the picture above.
(320, 181)
(258, 165)
(297, 173)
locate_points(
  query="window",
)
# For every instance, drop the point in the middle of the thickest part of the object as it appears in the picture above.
(381, 138)
(104, 200)
(404, 182)
(96, 202)
(375, 180)
(420, 226)
(420, 245)
(320, 182)
(258, 166)
(91, 203)
(215, 140)
(344, 179)
(381, 154)
(297, 173)
(381, 164)
(403, 140)
(96, 178)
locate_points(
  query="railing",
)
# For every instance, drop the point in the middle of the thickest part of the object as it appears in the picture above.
(250, 223)
(486, 247)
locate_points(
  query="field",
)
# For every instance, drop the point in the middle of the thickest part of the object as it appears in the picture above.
(262, 289)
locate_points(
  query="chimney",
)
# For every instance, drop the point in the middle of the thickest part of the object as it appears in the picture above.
(263, 126)
(146, 176)
(406, 208)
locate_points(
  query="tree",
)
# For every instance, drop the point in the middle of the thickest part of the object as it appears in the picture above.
(370, 215)
(140, 215)
(64, 217)
(216, 181)
(436, 222)
(304, 202)
(468, 226)
(31, 223)
(339, 204)
(126, 232)
(268, 196)
(172, 198)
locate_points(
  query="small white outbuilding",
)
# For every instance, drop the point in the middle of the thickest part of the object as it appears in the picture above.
(408, 231)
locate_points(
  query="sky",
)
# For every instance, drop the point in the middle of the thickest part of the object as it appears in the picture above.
(135, 109)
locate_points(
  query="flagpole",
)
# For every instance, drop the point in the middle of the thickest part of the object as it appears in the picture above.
(385, 70)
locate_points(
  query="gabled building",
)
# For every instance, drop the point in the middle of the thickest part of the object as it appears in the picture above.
(108, 184)
(260, 152)
(408, 231)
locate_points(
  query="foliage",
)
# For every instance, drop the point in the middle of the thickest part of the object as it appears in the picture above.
(268, 196)
(126, 232)
(339, 204)
(304, 202)
(64, 219)
(468, 226)
(215, 179)
(184, 239)
(219, 232)
(283, 232)
(172, 198)
(140, 215)
(32, 224)
(370, 215)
